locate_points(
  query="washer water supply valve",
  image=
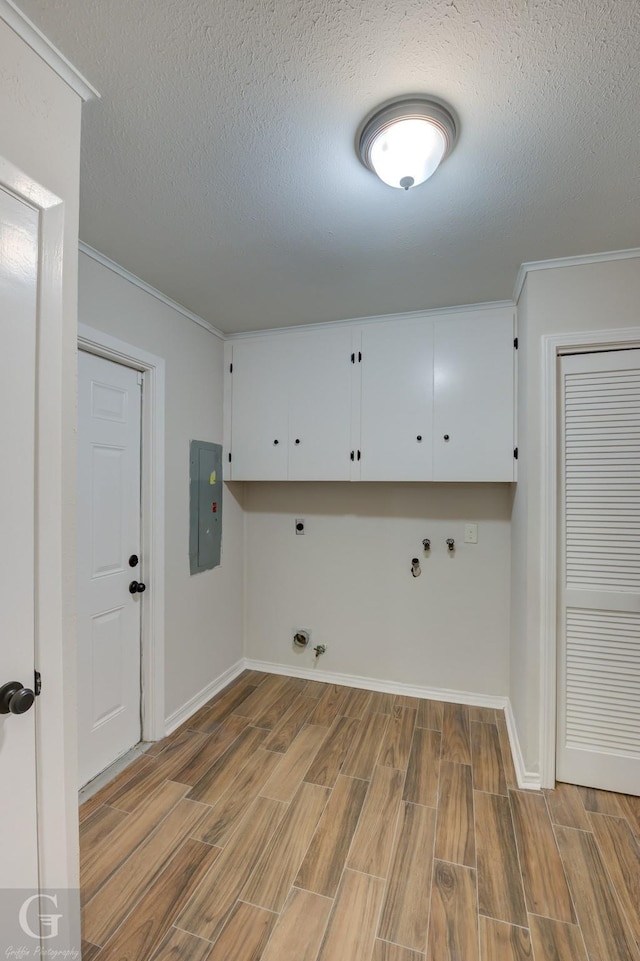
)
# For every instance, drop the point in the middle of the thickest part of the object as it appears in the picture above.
(415, 567)
(320, 649)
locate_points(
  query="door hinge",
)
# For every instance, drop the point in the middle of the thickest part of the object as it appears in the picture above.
(515, 452)
(37, 683)
(229, 456)
(515, 343)
(230, 368)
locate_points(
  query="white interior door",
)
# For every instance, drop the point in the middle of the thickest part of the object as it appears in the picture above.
(599, 629)
(109, 416)
(18, 292)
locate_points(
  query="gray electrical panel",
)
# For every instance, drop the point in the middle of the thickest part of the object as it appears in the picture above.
(205, 506)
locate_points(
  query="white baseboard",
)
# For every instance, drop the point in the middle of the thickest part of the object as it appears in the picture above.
(375, 684)
(527, 780)
(198, 700)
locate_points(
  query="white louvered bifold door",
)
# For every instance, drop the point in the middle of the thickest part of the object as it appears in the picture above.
(599, 619)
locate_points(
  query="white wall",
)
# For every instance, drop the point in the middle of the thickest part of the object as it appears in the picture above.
(203, 613)
(587, 297)
(348, 580)
(40, 135)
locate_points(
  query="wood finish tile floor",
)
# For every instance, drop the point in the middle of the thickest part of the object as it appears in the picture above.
(300, 821)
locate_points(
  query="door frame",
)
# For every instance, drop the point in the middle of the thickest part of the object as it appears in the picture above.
(553, 346)
(152, 531)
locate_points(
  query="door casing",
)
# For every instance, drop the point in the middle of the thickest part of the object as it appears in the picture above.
(152, 368)
(554, 345)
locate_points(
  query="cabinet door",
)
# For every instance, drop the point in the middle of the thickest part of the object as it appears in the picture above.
(319, 375)
(259, 410)
(397, 401)
(473, 415)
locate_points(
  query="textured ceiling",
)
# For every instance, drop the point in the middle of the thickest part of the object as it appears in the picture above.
(220, 167)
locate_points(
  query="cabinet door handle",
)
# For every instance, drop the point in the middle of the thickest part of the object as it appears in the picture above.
(445, 437)
(419, 438)
(276, 442)
(297, 440)
(353, 455)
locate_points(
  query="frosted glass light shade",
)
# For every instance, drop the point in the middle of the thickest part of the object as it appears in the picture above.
(404, 143)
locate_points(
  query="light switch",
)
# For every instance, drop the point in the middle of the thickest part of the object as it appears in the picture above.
(471, 533)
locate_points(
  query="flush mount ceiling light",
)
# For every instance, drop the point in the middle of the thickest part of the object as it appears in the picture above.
(404, 142)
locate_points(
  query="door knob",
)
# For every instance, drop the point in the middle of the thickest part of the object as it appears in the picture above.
(15, 699)
(136, 587)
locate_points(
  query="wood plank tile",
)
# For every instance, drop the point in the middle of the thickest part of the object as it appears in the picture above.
(600, 802)
(373, 839)
(500, 941)
(365, 746)
(292, 768)
(178, 946)
(314, 689)
(106, 911)
(606, 932)
(566, 807)
(545, 886)
(631, 809)
(209, 908)
(405, 912)
(136, 791)
(144, 929)
(322, 866)
(430, 714)
(396, 743)
(214, 747)
(453, 922)
(482, 715)
(500, 893)
(290, 725)
(274, 712)
(262, 698)
(555, 941)
(89, 951)
(357, 703)
(97, 827)
(108, 855)
(298, 934)
(405, 700)
(488, 772)
(423, 771)
(456, 736)
(333, 751)
(621, 855)
(381, 703)
(219, 824)
(222, 708)
(274, 873)
(352, 927)
(329, 705)
(384, 951)
(245, 934)
(220, 775)
(106, 794)
(505, 746)
(455, 835)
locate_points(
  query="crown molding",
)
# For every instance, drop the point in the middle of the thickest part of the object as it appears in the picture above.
(41, 45)
(143, 285)
(376, 319)
(578, 261)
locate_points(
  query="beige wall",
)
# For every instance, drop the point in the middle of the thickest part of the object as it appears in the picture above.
(348, 580)
(203, 613)
(40, 135)
(588, 297)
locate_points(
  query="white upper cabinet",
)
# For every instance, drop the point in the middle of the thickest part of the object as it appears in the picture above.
(397, 401)
(473, 396)
(259, 410)
(291, 406)
(319, 375)
(426, 398)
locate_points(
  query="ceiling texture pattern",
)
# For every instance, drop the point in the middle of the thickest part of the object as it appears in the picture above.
(220, 166)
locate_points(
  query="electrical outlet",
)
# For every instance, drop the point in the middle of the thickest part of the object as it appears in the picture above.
(471, 533)
(299, 525)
